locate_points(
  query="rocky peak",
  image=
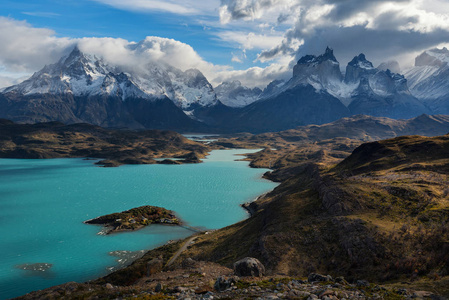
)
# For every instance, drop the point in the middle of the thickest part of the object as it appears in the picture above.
(361, 62)
(321, 69)
(357, 68)
(311, 59)
(399, 81)
(196, 79)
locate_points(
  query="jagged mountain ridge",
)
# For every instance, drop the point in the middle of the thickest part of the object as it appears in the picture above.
(363, 90)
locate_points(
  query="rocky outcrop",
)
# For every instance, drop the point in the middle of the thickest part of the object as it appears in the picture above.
(319, 278)
(154, 266)
(223, 283)
(249, 266)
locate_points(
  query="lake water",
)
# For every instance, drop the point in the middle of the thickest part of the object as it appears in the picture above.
(43, 204)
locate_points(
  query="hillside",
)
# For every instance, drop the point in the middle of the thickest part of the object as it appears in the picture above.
(377, 213)
(56, 140)
(381, 214)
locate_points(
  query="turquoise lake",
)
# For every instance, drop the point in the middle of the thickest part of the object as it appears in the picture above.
(43, 204)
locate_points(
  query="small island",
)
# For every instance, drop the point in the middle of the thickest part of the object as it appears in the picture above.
(135, 219)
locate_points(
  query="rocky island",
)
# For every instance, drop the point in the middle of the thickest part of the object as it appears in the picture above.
(135, 219)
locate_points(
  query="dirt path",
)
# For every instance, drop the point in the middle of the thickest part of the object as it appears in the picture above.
(182, 249)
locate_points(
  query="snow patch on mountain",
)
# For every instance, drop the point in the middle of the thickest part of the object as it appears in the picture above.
(233, 94)
(428, 78)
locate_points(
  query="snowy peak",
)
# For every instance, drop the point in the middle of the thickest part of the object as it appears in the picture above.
(360, 61)
(233, 94)
(434, 57)
(318, 71)
(312, 59)
(82, 74)
(385, 83)
(428, 79)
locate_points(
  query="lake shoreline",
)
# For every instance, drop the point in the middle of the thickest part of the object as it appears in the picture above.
(224, 156)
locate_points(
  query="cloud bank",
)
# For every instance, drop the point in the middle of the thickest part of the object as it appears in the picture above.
(382, 29)
(27, 49)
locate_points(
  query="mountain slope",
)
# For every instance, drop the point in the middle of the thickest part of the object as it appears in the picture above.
(428, 79)
(233, 94)
(380, 215)
(297, 106)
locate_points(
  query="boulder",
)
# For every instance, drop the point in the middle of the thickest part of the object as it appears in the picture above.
(109, 286)
(154, 266)
(189, 263)
(362, 283)
(222, 283)
(318, 277)
(249, 266)
(158, 288)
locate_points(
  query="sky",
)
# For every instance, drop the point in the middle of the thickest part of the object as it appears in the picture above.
(254, 41)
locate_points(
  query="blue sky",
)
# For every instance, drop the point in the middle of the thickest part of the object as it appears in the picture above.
(254, 41)
(83, 18)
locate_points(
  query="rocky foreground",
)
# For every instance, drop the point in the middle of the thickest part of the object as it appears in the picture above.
(378, 213)
(206, 280)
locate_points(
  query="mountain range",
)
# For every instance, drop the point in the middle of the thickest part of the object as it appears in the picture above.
(81, 87)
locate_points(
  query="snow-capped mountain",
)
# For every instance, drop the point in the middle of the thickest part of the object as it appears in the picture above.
(233, 94)
(428, 79)
(378, 92)
(363, 90)
(83, 88)
(84, 75)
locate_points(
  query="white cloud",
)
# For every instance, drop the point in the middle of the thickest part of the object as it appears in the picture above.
(181, 7)
(24, 48)
(43, 14)
(6, 81)
(251, 40)
(250, 10)
(236, 59)
(383, 29)
(255, 76)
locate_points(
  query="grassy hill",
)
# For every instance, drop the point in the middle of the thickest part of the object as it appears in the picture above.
(381, 214)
